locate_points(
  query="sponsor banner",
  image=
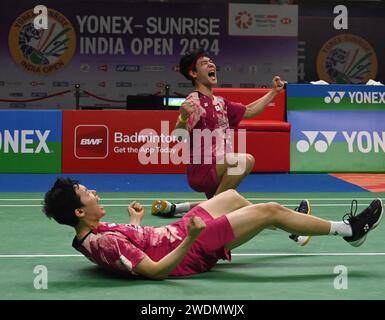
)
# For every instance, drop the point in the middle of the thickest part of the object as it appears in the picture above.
(117, 49)
(343, 56)
(120, 142)
(263, 20)
(30, 141)
(335, 97)
(337, 141)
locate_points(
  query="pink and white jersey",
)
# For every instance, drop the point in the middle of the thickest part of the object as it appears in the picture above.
(120, 247)
(217, 115)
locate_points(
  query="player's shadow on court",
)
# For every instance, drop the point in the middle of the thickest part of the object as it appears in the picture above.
(274, 271)
(238, 277)
(122, 279)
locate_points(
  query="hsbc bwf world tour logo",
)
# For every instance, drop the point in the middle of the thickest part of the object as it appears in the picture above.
(243, 20)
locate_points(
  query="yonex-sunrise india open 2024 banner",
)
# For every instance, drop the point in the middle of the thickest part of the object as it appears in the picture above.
(115, 49)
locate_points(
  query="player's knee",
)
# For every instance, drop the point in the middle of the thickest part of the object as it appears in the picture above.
(250, 161)
(262, 211)
(273, 208)
(236, 199)
(232, 194)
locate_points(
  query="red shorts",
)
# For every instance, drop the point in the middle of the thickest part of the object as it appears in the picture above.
(203, 178)
(209, 247)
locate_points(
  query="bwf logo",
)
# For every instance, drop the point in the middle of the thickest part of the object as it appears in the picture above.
(334, 96)
(320, 145)
(91, 142)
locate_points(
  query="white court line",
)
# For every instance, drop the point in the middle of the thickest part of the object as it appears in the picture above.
(149, 205)
(203, 199)
(312, 254)
(39, 255)
(326, 254)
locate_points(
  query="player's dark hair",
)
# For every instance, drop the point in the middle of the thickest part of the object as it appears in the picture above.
(61, 201)
(188, 62)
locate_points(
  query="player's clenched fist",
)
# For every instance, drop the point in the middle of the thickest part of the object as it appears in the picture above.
(278, 84)
(195, 226)
(185, 110)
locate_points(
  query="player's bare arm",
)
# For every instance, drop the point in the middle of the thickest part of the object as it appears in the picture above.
(259, 105)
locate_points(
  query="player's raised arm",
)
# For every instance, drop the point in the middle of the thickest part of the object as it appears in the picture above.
(259, 105)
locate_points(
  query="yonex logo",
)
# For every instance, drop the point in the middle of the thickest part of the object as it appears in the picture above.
(334, 96)
(358, 97)
(319, 145)
(24, 141)
(356, 141)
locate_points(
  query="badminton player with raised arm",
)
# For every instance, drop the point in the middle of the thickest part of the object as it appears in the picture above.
(212, 169)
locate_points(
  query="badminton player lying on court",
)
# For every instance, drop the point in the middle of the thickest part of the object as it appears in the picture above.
(197, 241)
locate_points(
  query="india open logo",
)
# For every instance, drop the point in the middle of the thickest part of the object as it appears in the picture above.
(347, 58)
(321, 145)
(42, 52)
(91, 142)
(243, 20)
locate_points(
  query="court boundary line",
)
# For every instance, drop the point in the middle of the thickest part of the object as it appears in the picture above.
(233, 254)
(149, 205)
(201, 199)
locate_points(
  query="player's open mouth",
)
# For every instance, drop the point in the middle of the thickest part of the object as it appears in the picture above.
(212, 75)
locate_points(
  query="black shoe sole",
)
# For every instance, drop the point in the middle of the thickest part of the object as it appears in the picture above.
(360, 241)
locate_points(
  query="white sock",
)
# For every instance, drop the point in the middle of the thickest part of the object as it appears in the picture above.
(168, 207)
(340, 228)
(182, 207)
